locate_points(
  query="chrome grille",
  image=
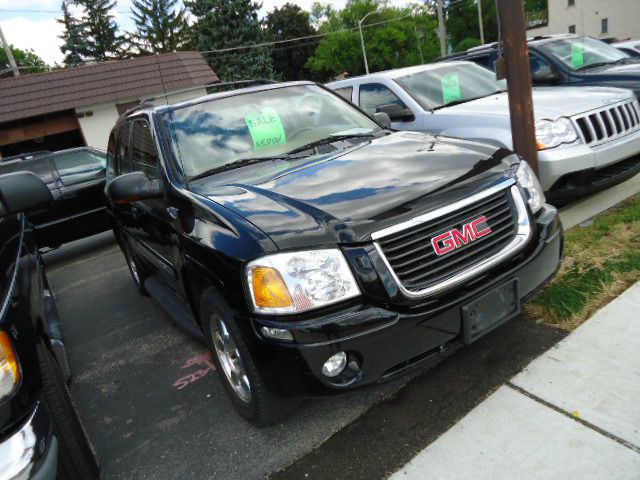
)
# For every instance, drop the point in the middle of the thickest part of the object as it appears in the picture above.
(407, 251)
(609, 123)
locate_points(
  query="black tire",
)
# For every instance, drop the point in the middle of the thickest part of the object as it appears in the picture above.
(76, 458)
(135, 269)
(263, 408)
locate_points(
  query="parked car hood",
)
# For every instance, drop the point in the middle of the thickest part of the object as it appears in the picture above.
(345, 196)
(630, 70)
(548, 102)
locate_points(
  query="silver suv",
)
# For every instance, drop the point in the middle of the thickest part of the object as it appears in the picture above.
(588, 137)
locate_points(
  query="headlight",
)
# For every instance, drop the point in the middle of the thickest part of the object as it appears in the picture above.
(551, 134)
(9, 366)
(528, 180)
(299, 281)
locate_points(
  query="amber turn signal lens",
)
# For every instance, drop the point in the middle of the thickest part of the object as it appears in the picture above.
(8, 358)
(269, 289)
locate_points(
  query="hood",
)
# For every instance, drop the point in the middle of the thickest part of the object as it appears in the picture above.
(629, 70)
(548, 102)
(346, 196)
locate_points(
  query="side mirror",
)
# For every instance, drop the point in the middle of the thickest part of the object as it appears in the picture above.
(396, 112)
(22, 191)
(133, 186)
(544, 75)
(383, 119)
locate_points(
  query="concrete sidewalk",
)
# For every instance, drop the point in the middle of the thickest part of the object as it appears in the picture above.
(574, 412)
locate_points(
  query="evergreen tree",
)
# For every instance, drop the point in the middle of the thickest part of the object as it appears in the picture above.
(101, 30)
(160, 28)
(227, 24)
(284, 23)
(74, 46)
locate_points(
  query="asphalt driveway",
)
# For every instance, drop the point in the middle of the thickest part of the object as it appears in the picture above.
(154, 408)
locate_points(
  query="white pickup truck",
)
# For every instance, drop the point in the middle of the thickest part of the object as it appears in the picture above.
(588, 137)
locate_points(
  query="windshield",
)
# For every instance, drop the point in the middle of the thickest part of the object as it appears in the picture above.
(449, 83)
(266, 123)
(583, 52)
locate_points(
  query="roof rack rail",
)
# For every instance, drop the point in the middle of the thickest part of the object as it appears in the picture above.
(143, 104)
(254, 81)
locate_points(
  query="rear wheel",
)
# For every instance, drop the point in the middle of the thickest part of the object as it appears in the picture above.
(76, 459)
(136, 270)
(235, 366)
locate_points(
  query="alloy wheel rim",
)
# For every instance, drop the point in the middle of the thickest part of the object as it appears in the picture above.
(230, 360)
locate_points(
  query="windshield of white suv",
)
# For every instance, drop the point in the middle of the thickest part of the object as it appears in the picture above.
(579, 53)
(228, 132)
(450, 83)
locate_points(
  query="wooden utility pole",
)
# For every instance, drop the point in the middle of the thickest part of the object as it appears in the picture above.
(480, 22)
(516, 55)
(442, 29)
(7, 48)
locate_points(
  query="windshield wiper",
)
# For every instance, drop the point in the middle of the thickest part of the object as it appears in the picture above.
(592, 65)
(240, 163)
(458, 102)
(327, 140)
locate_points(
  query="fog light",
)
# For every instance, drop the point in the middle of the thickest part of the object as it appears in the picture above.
(335, 364)
(277, 333)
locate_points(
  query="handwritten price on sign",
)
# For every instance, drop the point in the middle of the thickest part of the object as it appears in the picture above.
(266, 128)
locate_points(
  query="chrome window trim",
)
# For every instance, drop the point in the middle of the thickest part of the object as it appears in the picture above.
(522, 236)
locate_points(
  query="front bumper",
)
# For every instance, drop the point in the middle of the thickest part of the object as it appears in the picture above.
(31, 452)
(385, 341)
(556, 163)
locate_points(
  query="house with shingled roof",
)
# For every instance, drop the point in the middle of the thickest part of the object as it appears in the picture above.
(78, 106)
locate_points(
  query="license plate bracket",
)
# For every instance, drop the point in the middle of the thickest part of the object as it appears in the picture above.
(490, 310)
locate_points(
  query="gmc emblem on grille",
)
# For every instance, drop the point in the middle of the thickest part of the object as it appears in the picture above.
(453, 239)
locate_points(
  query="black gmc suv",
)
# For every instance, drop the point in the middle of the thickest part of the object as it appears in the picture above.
(40, 434)
(568, 60)
(313, 249)
(76, 179)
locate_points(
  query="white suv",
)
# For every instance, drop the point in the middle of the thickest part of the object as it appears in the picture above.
(588, 137)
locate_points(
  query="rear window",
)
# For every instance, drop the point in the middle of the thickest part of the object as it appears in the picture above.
(41, 166)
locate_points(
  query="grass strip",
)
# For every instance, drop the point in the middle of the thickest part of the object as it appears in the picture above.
(602, 260)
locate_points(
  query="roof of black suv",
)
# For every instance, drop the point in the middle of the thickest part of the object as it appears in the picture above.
(255, 85)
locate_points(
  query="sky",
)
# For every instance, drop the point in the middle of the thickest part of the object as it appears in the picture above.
(31, 24)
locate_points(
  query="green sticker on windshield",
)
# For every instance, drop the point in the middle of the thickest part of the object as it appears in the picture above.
(450, 88)
(266, 128)
(577, 55)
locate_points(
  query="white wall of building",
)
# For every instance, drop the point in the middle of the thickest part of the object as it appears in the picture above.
(97, 126)
(623, 18)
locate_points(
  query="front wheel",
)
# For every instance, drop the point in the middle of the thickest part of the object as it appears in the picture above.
(235, 366)
(76, 458)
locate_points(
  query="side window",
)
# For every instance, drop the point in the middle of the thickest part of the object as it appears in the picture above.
(80, 166)
(345, 92)
(540, 69)
(123, 163)
(375, 95)
(143, 151)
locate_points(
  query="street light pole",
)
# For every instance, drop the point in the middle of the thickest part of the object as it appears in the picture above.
(7, 48)
(442, 29)
(480, 22)
(364, 52)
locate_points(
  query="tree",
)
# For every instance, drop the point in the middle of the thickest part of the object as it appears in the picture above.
(101, 30)
(407, 37)
(222, 24)
(160, 27)
(462, 20)
(284, 23)
(26, 60)
(74, 46)
(466, 44)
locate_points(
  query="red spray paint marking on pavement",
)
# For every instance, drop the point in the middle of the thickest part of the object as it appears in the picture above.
(203, 361)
